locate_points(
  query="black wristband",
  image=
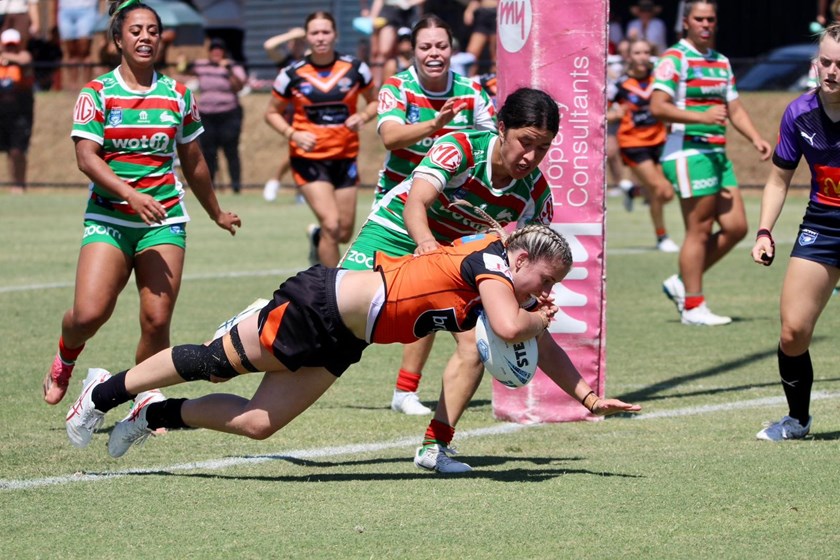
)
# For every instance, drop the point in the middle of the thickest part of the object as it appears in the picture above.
(766, 259)
(763, 232)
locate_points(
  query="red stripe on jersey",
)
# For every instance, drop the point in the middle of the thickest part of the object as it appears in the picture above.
(407, 155)
(148, 182)
(707, 82)
(466, 147)
(134, 158)
(393, 176)
(147, 103)
(708, 64)
(704, 102)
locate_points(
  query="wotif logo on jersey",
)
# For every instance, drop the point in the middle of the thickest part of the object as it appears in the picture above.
(514, 24)
(158, 142)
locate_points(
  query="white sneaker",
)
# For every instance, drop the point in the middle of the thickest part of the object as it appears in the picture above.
(270, 190)
(143, 399)
(82, 418)
(409, 403)
(702, 315)
(675, 290)
(313, 233)
(786, 428)
(132, 429)
(666, 245)
(435, 458)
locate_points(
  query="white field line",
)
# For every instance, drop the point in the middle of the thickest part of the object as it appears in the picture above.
(358, 449)
(737, 405)
(218, 464)
(281, 273)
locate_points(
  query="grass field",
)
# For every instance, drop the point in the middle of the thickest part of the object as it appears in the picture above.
(684, 479)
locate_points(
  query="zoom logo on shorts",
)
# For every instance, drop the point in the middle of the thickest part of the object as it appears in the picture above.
(358, 257)
(102, 230)
(709, 183)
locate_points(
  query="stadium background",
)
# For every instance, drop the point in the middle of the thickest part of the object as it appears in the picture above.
(744, 33)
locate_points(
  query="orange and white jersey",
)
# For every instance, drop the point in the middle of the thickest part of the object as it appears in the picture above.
(638, 128)
(324, 97)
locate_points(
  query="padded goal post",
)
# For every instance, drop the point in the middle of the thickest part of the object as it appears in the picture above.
(560, 46)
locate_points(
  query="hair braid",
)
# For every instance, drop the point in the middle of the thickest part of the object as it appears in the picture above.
(539, 241)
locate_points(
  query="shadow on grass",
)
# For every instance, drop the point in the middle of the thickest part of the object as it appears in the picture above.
(476, 403)
(545, 471)
(826, 436)
(651, 392)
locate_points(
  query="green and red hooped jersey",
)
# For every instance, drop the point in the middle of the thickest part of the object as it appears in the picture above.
(459, 166)
(696, 82)
(139, 133)
(403, 100)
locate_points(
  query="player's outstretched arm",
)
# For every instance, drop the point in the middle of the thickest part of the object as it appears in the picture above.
(559, 368)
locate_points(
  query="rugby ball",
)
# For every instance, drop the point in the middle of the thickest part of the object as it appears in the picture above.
(513, 365)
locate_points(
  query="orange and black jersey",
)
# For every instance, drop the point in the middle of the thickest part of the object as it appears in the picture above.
(324, 97)
(638, 128)
(437, 291)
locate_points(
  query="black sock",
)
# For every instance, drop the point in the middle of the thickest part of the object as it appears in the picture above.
(797, 375)
(111, 393)
(166, 414)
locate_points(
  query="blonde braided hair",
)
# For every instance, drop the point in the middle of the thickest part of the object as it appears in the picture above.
(539, 241)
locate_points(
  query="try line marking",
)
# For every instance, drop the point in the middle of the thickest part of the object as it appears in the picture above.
(358, 449)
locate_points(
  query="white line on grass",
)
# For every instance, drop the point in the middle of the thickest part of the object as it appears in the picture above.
(357, 449)
(708, 408)
(283, 273)
(218, 464)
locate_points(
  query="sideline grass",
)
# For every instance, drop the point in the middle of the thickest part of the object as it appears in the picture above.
(694, 486)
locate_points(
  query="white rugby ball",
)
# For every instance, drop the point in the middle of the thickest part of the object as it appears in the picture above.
(513, 365)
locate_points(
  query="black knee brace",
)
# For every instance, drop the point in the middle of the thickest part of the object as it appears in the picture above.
(196, 361)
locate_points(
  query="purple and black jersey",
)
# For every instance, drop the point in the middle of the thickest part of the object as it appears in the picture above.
(807, 131)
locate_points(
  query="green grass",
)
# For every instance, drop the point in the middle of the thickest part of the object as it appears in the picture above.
(693, 486)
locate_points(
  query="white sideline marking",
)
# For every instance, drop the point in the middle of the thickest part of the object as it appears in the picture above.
(705, 409)
(357, 449)
(218, 464)
(283, 273)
